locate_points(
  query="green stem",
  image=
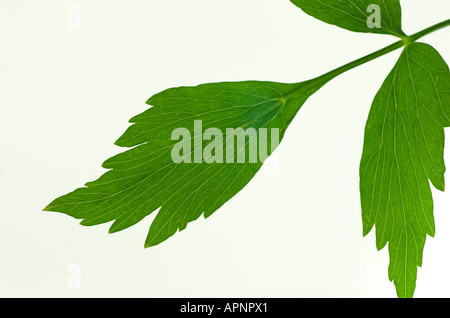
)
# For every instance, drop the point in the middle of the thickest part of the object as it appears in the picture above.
(406, 40)
(332, 74)
(429, 30)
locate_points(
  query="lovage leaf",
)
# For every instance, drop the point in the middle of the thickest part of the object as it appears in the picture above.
(205, 176)
(403, 151)
(372, 16)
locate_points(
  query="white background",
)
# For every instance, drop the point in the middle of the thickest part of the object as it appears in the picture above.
(295, 231)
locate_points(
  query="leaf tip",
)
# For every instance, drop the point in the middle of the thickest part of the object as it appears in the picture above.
(149, 244)
(119, 142)
(85, 222)
(111, 230)
(149, 101)
(153, 241)
(366, 229)
(50, 207)
(380, 245)
(432, 232)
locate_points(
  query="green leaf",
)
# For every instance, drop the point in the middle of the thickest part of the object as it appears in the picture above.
(146, 177)
(403, 150)
(384, 16)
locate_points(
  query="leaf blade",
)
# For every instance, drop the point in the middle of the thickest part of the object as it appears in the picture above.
(353, 15)
(145, 178)
(403, 150)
